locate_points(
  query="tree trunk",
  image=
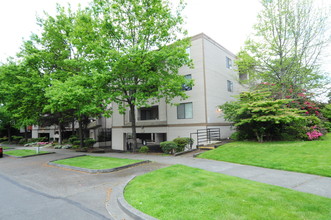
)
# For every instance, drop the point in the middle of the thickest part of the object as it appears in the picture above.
(259, 137)
(60, 133)
(133, 126)
(9, 133)
(26, 133)
(73, 127)
(81, 138)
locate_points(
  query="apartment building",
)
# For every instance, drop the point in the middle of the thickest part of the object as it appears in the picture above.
(215, 82)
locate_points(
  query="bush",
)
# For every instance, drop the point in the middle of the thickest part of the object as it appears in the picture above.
(57, 146)
(3, 139)
(16, 138)
(89, 142)
(238, 136)
(73, 139)
(168, 147)
(182, 142)
(40, 139)
(76, 142)
(327, 125)
(144, 149)
(75, 146)
(22, 141)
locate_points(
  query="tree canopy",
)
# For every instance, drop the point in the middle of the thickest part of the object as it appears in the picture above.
(141, 52)
(126, 52)
(288, 41)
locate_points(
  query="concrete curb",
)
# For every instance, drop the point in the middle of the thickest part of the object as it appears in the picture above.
(93, 171)
(128, 209)
(28, 155)
(184, 152)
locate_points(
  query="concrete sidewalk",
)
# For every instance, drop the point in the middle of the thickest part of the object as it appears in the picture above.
(313, 184)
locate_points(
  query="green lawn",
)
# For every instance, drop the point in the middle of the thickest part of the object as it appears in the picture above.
(22, 153)
(5, 148)
(180, 192)
(312, 157)
(96, 163)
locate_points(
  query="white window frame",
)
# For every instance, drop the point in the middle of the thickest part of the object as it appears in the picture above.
(229, 86)
(188, 113)
(228, 63)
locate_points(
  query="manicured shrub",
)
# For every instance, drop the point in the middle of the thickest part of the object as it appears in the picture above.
(144, 149)
(327, 125)
(22, 141)
(257, 115)
(3, 139)
(89, 142)
(73, 139)
(182, 142)
(314, 133)
(76, 142)
(168, 147)
(40, 139)
(16, 138)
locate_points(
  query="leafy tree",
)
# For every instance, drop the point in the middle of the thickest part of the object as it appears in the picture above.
(22, 92)
(141, 53)
(6, 121)
(77, 94)
(72, 88)
(258, 115)
(286, 46)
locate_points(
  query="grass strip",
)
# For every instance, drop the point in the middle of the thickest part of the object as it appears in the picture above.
(300, 156)
(23, 152)
(96, 162)
(5, 148)
(180, 192)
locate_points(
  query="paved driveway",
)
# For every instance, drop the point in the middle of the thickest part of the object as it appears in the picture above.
(86, 195)
(31, 189)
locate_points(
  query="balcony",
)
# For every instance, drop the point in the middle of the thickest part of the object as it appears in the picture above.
(95, 123)
(148, 113)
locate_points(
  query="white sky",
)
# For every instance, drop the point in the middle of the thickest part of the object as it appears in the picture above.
(228, 22)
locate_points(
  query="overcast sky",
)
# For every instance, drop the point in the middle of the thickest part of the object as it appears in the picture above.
(228, 22)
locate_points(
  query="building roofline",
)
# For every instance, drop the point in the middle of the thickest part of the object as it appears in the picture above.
(206, 37)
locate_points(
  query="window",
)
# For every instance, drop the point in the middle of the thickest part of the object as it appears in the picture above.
(243, 76)
(104, 134)
(187, 87)
(230, 86)
(185, 110)
(228, 63)
(148, 113)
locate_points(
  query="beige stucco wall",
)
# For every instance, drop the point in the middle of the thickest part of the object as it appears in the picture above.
(217, 75)
(210, 76)
(196, 95)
